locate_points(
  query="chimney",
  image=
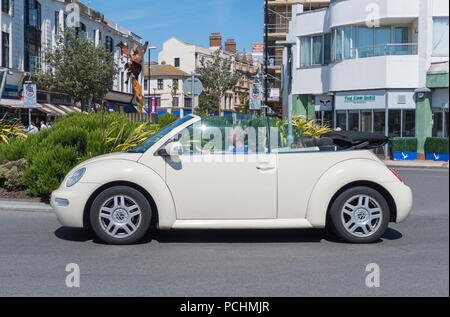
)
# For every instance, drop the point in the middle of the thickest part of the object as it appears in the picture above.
(230, 46)
(215, 40)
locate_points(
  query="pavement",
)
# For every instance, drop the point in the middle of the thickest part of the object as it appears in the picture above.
(413, 257)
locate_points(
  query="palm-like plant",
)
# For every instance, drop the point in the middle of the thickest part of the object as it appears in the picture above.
(136, 137)
(310, 127)
(9, 130)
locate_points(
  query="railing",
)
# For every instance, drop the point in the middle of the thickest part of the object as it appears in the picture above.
(274, 60)
(278, 28)
(384, 50)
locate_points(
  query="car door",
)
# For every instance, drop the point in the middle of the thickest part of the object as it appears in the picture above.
(218, 179)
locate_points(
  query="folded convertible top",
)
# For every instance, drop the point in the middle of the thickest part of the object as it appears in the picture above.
(352, 140)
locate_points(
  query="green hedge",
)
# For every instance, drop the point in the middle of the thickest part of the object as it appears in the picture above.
(51, 154)
(437, 145)
(404, 145)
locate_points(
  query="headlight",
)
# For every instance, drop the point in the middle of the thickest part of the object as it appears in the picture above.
(75, 178)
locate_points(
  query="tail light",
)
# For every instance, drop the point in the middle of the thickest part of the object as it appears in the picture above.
(396, 175)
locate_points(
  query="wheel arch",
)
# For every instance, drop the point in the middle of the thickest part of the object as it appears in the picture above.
(344, 175)
(90, 201)
(383, 191)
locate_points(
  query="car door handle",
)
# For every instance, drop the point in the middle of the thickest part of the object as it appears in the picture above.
(265, 168)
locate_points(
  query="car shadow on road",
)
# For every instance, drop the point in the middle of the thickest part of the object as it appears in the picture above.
(224, 236)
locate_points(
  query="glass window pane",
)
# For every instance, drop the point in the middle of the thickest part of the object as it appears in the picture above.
(366, 121)
(347, 41)
(409, 123)
(437, 124)
(353, 121)
(305, 54)
(401, 37)
(339, 44)
(383, 38)
(379, 122)
(341, 120)
(354, 41)
(394, 123)
(365, 42)
(327, 49)
(328, 118)
(317, 50)
(440, 36)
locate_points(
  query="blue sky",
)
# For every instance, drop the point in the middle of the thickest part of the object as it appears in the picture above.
(189, 20)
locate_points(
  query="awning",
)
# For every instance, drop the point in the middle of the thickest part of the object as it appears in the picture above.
(56, 110)
(11, 102)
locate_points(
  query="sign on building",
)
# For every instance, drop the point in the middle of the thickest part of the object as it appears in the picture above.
(275, 93)
(255, 98)
(258, 51)
(29, 96)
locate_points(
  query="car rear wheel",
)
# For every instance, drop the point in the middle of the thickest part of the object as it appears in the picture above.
(360, 215)
(120, 215)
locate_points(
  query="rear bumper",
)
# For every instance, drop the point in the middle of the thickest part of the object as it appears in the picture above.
(403, 199)
(77, 197)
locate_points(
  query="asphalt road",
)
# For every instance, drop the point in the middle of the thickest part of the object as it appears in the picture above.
(413, 257)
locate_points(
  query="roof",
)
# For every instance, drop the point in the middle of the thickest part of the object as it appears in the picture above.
(164, 70)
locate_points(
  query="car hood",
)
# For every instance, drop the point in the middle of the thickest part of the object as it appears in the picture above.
(113, 156)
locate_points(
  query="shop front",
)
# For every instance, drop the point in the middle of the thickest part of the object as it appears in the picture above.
(374, 110)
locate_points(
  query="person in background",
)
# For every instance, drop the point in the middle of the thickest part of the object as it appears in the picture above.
(48, 125)
(32, 129)
(43, 126)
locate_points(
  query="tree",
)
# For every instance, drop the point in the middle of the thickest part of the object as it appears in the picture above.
(218, 77)
(245, 104)
(174, 92)
(78, 68)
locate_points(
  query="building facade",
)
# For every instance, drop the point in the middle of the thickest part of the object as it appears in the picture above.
(165, 84)
(29, 27)
(371, 66)
(188, 58)
(279, 16)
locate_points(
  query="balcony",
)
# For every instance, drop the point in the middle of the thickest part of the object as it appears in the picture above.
(384, 50)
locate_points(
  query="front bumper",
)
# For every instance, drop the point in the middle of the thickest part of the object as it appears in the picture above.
(77, 196)
(403, 199)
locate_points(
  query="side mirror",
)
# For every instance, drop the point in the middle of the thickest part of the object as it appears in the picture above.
(172, 149)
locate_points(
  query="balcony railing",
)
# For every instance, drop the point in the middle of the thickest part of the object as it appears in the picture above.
(384, 50)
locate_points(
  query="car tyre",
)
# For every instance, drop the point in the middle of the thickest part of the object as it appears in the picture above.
(120, 215)
(360, 215)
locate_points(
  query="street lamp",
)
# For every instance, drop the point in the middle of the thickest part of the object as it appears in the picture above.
(149, 76)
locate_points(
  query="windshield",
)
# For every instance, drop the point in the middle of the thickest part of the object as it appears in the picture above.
(143, 147)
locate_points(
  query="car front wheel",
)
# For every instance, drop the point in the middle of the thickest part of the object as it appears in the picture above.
(360, 215)
(120, 215)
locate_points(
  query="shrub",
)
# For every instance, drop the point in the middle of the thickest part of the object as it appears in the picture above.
(11, 175)
(437, 145)
(52, 153)
(166, 119)
(404, 145)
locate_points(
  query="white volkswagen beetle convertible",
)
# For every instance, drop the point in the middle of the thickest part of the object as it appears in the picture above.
(220, 173)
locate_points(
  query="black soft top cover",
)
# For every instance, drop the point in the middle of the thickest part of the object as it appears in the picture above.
(352, 140)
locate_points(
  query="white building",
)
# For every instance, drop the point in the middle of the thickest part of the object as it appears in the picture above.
(187, 57)
(30, 26)
(371, 65)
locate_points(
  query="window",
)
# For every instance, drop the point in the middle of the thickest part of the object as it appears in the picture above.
(379, 122)
(338, 42)
(188, 102)
(160, 84)
(176, 102)
(305, 48)
(33, 13)
(365, 42)
(145, 84)
(81, 30)
(347, 42)
(382, 41)
(353, 121)
(341, 120)
(109, 43)
(409, 123)
(401, 37)
(366, 121)
(177, 62)
(5, 49)
(56, 22)
(440, 36)
(317, 50)
(5, 6)
(394, 123)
